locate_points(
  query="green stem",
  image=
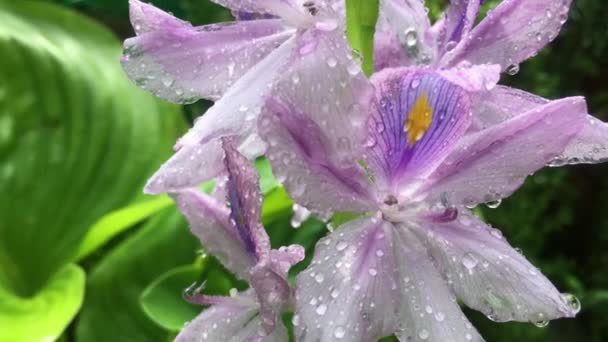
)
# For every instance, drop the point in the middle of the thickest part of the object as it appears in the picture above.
(361, 18)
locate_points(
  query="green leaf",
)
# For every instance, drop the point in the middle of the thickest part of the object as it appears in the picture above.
(77, 138)
(112, 311)
(44, 316)
(162, 300)
(118, 221)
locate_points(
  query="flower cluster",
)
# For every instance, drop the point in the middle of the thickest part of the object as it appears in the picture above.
(429, 135)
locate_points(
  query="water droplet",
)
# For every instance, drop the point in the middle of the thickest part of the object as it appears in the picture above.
(439, 316)
(319, 278)
(469, 261)
(415, 83)
(332, 62)
(321, 309)
(411, 37)
(494, 204)
(513, 69)
(379, 253)
(341, 246)
(423, 334)
(300, 214)
(243, 108)
(373, 272)
(167, 82)
(295, 320)
(334, 293)
(353, 68)
(295, 78)
(339, 332)
(541, 324)
(573, 302)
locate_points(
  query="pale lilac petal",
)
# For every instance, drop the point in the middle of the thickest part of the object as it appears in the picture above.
(491, 164)
(589, 146)
(245, 201)
(298, 152)
(458, 20)
(417, 116)
(409, 22)
(501, 104)
(182, 63)
(147, 18)
(237, 320)
(273, 292)
(429, 311)
(349, 292)
(209, 220)
(473, 78)
(314, 124)
(269, 280)
(388, 52)
(187, 168)
(513, 32)
(235, 113)
(488, 275)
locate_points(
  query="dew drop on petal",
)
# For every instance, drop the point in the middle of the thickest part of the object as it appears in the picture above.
(341, 246)
(573, 302)
(513, 69)
(494, 204)
(339, 332)
(423, 334)
(321, 309)
(541, 324)
(469, 261)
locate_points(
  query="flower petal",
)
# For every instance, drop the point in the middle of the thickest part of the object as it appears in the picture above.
(589, 146)
(235, 321)
(245, 201)
(269, 280)
(491, 164)
(488, 275)
(210, 221)
(473, 78)
(409, 22)
(458, 20)
(182, 63)
(349, 292)
(314, 124)
(429, 311)
(501, 104)
(513, 32)
(147, 18)
(235, 113)
(416, 118)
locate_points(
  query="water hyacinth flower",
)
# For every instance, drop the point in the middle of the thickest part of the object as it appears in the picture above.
(510, 34)
(396, 150)
(237, 238)
(232, 63)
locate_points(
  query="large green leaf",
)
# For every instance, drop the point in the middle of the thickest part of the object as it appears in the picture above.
(162, 301)
(111, 310)
(77, 139)
(44, 316)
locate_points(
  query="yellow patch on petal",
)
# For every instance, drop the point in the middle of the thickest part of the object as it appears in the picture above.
(419, 120)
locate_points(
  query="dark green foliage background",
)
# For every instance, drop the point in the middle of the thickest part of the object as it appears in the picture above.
(559, 218)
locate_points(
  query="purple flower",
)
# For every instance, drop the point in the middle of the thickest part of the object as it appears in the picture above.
(397, 149)
(237, 238)
(511, 33)
(233, 64)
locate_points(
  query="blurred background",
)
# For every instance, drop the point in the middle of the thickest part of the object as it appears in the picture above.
(85, 256)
